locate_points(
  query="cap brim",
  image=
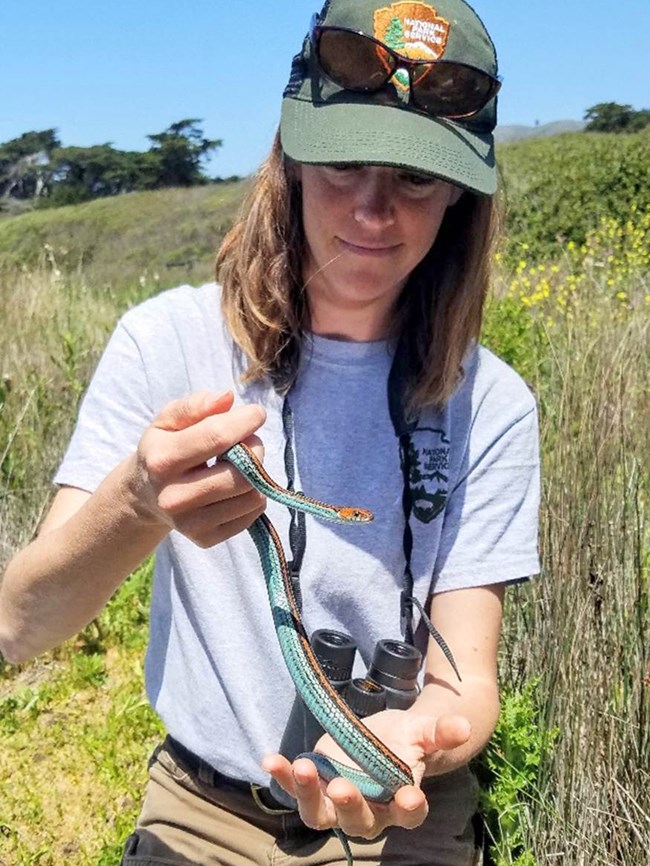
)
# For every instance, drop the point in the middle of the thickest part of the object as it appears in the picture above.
(374, 134)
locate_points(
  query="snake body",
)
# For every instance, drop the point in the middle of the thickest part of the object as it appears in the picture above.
(382, 772)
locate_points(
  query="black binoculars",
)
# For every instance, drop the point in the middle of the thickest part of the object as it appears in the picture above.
(390, 683)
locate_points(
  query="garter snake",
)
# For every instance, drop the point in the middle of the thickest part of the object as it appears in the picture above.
(382, 772)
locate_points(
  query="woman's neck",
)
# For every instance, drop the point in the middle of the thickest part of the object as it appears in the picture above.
(360, 324)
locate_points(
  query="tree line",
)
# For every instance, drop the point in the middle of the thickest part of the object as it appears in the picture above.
(37, 167)
(613, 117)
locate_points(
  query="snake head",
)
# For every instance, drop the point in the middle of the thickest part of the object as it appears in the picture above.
(356, 515)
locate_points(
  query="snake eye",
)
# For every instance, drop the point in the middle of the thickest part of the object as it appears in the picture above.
(356, 515)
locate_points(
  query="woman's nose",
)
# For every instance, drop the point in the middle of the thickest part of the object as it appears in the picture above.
(373, 204)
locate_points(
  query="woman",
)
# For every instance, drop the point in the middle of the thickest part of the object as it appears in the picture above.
(341, 346)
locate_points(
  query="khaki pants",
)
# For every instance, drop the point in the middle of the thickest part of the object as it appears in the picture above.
(186, 820)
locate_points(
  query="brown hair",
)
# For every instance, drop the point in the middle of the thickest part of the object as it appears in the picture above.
(259, 266)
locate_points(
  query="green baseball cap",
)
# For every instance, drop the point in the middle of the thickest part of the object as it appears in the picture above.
(324, 122)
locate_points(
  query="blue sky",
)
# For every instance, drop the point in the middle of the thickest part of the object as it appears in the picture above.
(118, 71)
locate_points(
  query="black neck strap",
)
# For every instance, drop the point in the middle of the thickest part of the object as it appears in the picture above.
(297, 531)
(403, 427)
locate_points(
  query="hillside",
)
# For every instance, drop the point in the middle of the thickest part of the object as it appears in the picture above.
(555, 187)
(164, 235)
(558, 189)
(505, 134)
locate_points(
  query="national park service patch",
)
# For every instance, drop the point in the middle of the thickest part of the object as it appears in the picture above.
(412, 29)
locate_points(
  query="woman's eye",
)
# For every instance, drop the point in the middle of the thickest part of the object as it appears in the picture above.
(415, 179)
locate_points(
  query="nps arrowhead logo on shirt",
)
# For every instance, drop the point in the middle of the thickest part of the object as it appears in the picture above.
(428, 462)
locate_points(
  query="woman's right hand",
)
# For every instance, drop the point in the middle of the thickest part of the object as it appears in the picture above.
(172, 483)
(90, 542)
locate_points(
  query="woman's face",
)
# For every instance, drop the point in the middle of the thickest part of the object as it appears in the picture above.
(366, 228)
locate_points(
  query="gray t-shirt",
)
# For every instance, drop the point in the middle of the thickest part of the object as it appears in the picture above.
(214, 671)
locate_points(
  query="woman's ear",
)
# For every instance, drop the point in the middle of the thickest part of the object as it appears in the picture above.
(455, 193)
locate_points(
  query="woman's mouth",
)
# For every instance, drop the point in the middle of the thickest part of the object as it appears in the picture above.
(366, 249)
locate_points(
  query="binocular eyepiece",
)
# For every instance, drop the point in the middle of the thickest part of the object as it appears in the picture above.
(391, 680)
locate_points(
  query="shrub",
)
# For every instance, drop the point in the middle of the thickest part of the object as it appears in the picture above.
(558, 189)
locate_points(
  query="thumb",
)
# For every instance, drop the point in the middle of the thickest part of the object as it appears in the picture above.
(444, 733)
(183, 413)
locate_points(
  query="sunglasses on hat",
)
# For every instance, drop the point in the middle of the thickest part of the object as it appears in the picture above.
(360, 63)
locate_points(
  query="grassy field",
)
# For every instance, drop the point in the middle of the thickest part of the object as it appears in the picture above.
(566, 778)
(157, 236)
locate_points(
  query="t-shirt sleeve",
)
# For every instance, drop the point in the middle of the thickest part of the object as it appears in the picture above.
(490, 530)
(114, 413)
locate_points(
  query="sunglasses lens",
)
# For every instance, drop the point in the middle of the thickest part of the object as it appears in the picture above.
(451, 89)
(443, 88)
(353, 61)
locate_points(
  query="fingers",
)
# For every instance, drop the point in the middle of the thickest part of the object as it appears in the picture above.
(300, 780)
(341, 804)
(215, 523)
(357, 816)
(439, 734)
(316, 810)
(211, 427)
(215, 434)
(196, 486)
(412, 806)
(178, 484)
(354, 814)
(180, 414)
(281, 770)
(450, 732)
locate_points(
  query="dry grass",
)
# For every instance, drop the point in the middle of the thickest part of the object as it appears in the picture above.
(53, 330)
(584, 628)
(74, 732)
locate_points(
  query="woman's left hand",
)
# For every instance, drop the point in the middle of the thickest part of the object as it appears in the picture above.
(340, 804)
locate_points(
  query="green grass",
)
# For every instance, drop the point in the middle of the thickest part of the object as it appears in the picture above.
(556, 190)
(156, 236)
(567, 774)
(582, 632)
(75, 734)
